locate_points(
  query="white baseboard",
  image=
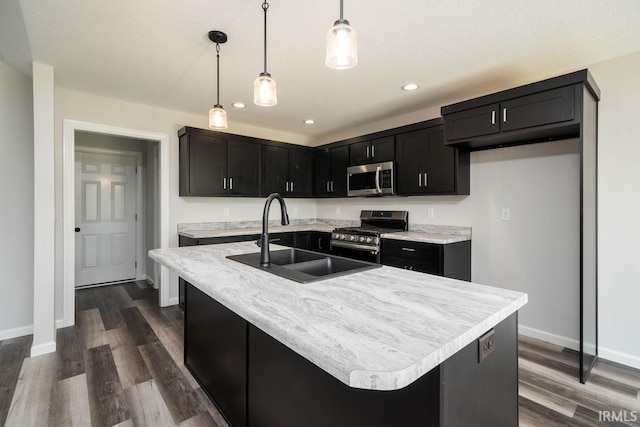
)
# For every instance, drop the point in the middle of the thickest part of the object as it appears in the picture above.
(16, 332)
(174, 301)
(571, 343)
(619, 357)
(150, 281)
(45, 348)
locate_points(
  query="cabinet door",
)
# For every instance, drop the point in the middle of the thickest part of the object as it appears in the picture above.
(360, 153)
(320, 242)
(339, 164)
(206, 161)
(440, 171)
(215, 350)
(300, 173)
(275, 161)
(411, 151)
(383, 149)
(471, 123)
(244, 168)
(322, 173)
(539, 109)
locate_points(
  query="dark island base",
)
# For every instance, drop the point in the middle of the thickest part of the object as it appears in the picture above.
(256, 381)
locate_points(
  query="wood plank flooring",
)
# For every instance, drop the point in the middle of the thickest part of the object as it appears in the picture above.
(121, 364)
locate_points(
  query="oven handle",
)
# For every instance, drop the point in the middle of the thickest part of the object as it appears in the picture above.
(372, 250)
(378, 172)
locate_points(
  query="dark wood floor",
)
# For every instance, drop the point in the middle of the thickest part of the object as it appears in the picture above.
(121, 364)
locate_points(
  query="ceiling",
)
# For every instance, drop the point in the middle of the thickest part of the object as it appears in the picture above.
(157, 52)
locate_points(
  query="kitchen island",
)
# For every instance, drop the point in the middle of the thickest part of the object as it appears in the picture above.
(381, 347)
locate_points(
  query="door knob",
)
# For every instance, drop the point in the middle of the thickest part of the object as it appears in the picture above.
(77, 229)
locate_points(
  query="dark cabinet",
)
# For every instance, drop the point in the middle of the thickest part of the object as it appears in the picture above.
(427, 166)
(331, 171)
(374, 151)
(215, 351)
(217, 166)
(287, 171)
(317, 241)
(449, 260)
(522, 114)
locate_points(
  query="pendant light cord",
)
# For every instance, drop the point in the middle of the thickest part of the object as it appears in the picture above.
(341, 7)
(265, 6)
(218, 72)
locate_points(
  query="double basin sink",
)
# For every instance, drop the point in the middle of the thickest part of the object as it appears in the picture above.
(305, 266)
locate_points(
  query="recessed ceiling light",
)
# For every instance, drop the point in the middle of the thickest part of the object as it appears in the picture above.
(238, 105)
(410, 86)
(309, 121)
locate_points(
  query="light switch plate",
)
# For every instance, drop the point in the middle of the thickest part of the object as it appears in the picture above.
(506, 214)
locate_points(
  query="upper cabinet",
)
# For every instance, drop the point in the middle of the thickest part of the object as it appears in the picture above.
(287, 171)
(425, 165)
(216, 165)
(375, 151)
(541, 111)
(331, 171)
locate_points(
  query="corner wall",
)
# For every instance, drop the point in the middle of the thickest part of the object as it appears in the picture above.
(16, 194)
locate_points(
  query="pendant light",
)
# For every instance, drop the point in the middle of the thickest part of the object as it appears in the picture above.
(342, 45)
(264, 87)
(217, 115)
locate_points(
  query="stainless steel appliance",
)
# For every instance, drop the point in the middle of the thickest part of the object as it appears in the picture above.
(364, 242)
(371, 180)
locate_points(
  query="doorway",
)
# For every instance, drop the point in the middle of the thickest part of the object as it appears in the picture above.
(157, 146)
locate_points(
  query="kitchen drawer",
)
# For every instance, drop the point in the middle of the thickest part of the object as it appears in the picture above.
(411, 250)
(413, 265)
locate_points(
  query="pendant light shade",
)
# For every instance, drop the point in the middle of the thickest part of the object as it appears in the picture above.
(217, 115)
(342, 45)
(264, 87)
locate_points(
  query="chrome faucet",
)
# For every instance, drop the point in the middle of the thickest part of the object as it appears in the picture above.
(265, 259)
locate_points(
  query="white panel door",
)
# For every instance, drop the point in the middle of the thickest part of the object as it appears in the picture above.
(105, 217)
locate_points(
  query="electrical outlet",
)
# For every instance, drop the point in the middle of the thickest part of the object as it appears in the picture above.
(506, 214)
(225, 211)
(431, 212)
(337, 210)
(295, 210)
(486, 345)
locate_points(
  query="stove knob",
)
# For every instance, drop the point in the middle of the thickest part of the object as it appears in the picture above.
(336, 235)
(362, 238)
(352, 238)
(343, 237)
(368, 239)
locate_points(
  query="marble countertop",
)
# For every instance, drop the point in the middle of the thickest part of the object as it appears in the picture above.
(380, 329)
(415, 236)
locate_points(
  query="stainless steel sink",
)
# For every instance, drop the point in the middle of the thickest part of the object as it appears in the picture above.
(305, 266)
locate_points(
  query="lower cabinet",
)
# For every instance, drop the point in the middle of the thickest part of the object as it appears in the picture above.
(215, 351)
(449, 260)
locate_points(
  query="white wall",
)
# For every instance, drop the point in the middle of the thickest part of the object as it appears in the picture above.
(16, 196)
(537, 251)
(96, 109)
(619, 205)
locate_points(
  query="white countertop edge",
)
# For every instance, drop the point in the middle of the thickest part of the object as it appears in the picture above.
(394, 380)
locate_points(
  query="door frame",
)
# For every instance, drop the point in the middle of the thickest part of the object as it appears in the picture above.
(69, 128)
(140, 192)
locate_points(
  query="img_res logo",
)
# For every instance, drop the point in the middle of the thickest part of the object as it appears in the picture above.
(618, 416)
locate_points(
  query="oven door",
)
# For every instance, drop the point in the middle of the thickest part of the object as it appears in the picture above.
(370, 180)
(348, 251)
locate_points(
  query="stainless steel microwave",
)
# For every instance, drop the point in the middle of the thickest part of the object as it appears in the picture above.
(371, 180)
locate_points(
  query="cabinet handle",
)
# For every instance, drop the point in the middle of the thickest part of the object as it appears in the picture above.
(493, 117)
(230, 183)
(287, 185)
(292, 186)
(419, 180)
(411, 268)
(373, 151)
(320, 243)
(504, 115)
(408, 249)
(425, 179)
(367, 152)
(332, 186)
(328, 188)
(224, 183)
(274, 240)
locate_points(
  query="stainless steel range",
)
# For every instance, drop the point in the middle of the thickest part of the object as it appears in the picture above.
(364, 242)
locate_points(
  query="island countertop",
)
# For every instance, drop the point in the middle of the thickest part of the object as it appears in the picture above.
(380, 329)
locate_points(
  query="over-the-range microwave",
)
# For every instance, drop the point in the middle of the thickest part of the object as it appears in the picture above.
(371, 180)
